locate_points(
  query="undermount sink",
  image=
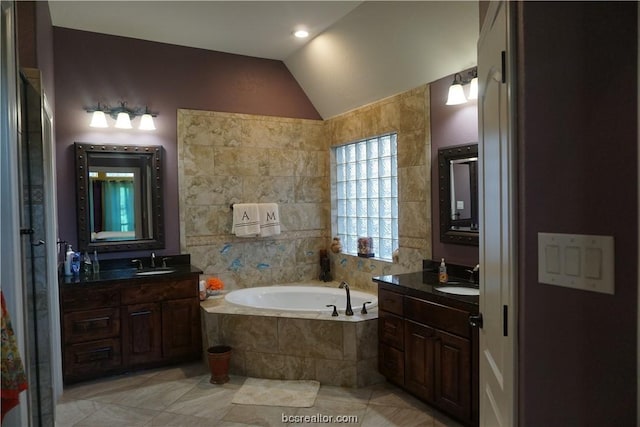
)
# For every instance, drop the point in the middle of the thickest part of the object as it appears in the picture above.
(459, 290)
(155, 272)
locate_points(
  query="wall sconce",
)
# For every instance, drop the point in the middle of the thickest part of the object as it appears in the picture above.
(122, 115)
(456, 92)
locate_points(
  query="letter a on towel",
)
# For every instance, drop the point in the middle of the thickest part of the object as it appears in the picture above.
(246, 219)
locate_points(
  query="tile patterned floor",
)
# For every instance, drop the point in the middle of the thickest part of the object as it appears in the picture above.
(183, 396)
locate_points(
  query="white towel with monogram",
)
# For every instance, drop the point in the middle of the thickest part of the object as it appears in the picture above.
(246, 219)
(269, 219)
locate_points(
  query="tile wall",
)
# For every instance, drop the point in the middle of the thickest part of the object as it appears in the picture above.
(226, 158)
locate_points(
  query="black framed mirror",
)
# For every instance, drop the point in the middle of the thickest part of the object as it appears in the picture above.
(458, 184)
(119, 197)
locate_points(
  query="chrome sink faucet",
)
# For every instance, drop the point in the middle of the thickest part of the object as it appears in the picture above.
(153, 260)
(349, 310)
(474, 275)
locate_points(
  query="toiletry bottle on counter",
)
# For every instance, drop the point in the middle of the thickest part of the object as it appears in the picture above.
(443, 277)
(68, 256)
(96, 263)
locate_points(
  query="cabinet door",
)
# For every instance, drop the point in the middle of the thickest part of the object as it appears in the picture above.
(453, 374)
(141, 333)
(390, 329)
(419, 353)
(391, 363)
(181, 330)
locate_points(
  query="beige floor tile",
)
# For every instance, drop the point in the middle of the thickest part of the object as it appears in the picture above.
(205, 400)
(182, 396)
(154, 394)
(389, 395)
(117, 415)
(70, 412)
(103, 390)
(331, 411)
(390, 416)
(193, 371)
(168, 419)
(357, 395)
(266, 416)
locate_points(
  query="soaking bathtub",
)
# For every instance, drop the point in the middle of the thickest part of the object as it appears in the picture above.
(287, 332)
(300, 298)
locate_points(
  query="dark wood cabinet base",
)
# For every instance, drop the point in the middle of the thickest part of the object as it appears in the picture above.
(428, 349)
(135, 324)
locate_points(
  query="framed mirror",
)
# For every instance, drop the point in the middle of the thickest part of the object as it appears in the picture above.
(458, 184)
(119, 197)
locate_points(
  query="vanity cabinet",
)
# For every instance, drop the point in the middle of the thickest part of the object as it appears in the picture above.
(427, 348)
(138, 323)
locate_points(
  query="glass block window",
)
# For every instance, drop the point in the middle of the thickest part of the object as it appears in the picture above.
(367, 194)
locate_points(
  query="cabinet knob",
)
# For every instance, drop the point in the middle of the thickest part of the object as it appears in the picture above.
(476, 320)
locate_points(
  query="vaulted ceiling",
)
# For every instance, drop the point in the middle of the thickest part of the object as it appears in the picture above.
(357, 52)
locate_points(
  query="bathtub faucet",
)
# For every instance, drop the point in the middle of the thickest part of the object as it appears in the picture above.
(349, 310)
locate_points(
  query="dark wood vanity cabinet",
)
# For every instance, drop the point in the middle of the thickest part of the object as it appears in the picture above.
(133, 324)
(427, 348)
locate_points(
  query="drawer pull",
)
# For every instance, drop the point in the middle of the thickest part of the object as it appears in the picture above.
(93, 355)
(95, 319)
(141, 313)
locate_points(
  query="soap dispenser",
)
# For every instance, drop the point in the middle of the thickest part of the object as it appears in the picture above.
(443, 277)
(67, 260)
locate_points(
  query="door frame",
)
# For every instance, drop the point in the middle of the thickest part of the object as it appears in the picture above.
(10, 241)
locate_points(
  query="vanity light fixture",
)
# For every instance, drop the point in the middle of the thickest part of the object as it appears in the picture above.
(123, 116)
(456, 92)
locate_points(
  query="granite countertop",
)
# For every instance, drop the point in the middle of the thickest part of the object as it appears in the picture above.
(120, 270)
(424, 284)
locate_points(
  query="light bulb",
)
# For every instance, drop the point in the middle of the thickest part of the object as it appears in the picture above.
(301, 34)
(473, 88)
(123, 121)
(146, 122)
(456, 95)
(98, 120)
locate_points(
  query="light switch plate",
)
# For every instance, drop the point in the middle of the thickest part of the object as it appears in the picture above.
(577, 261)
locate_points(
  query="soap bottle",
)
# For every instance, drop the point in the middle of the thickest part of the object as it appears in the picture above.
(86, 263)
(443, 277)
(68, 256)
(96, 263)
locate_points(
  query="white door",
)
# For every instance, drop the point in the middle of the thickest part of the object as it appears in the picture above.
(497, 163)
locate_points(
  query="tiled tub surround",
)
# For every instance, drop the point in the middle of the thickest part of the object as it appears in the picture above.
(340, 351)
(226, 158)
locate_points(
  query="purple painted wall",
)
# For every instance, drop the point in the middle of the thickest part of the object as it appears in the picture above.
(577, 103)
(35, 42)
(93, 68)
(450, 125)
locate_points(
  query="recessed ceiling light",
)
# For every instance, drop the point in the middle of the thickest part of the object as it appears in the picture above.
(301, 34)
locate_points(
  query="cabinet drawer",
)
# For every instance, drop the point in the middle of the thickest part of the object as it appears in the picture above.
(390, 301)
(391, 363)
(91, 325)
(164, 290)
(91, 359)
(390, 330)
(84, 299)
(442, 317)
